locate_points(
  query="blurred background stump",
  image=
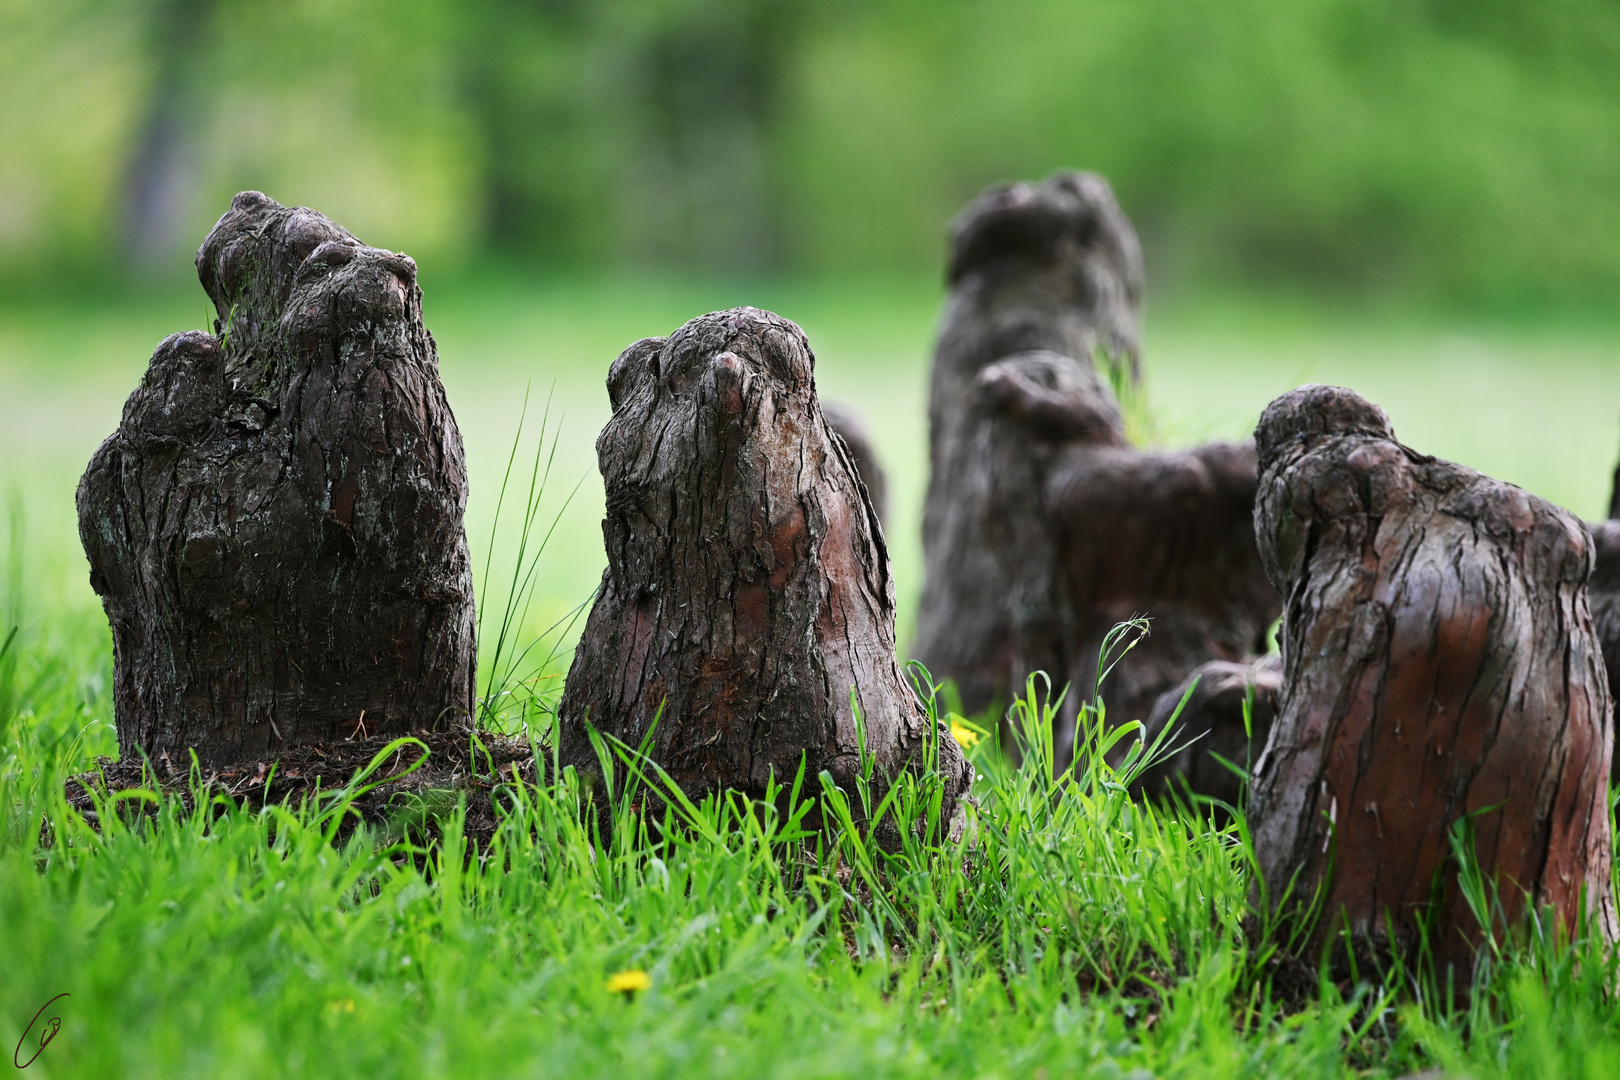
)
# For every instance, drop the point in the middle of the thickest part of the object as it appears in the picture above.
(849, 425)
(275, 529)
(747, 600)
(1044, 527)
(1210, 727)
(1053, 267)
(1440, 665)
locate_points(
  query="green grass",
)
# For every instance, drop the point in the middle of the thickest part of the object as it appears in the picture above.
(1069, 932)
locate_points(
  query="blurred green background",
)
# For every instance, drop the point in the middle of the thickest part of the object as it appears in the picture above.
(1419, 199)
(1459, 149)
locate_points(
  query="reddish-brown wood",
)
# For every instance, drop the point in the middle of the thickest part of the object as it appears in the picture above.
(748, 594)
(1439, 663)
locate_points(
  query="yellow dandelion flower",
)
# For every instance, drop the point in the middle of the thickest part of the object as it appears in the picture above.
(963, 734)
(628, 982)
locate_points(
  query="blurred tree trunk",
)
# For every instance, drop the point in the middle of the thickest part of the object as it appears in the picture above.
(1604, 595)
(1049, 268)
(1210, 726)
(1440, 665)
(645, 132)
(275, 529)
(160, 177)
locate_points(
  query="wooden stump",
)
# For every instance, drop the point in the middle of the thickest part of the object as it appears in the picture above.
(1211, 726)
(1439, 663)
(275, 528)
(748, 590)
(1053, 267)
(1043, 527)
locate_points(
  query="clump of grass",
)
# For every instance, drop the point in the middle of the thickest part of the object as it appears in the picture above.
(520, 683)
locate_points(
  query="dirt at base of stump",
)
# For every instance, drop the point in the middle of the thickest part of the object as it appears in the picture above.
(454, 764)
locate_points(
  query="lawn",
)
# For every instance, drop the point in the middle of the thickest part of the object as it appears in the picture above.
(1070, 932)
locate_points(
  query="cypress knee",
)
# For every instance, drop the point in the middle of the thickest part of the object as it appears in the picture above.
(747, 597)
(1053, 267)
(1044, 527)
(1088, 532)
(1439, 663)
(1212, 736)
(275, 529)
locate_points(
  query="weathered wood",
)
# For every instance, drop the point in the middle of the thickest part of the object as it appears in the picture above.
(275, 528)
(848, 425)
(1053, 267)
(1439, 663)
(1211, 723)
(1043, 527)
(748, 591)
(1087, 532)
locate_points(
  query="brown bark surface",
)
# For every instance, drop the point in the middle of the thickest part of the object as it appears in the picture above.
(1053, 267)
(275, 528)
(1439, 661)
(1043, 527)
(748, 589)
(1211, 723)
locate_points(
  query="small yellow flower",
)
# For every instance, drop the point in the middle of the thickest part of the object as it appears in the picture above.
(344, 1006)
(963, 734)
(628, 982)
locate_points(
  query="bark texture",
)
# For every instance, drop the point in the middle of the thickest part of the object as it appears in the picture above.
(1043, 527)
(748, 590)
(1211, 723)
(275, 528)
(1439, 662)
(1052, 267)
(848, 425)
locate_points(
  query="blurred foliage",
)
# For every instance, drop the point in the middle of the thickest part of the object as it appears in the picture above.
(1451, 149)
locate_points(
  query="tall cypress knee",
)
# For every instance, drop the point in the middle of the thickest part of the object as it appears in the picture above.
(275, 528)
(747, 597)
(1439, 664)
(1033, 268)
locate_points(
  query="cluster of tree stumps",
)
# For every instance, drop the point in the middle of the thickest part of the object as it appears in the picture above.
(276, 532)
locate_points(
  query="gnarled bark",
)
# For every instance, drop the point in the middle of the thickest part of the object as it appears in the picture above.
(1044, 528)
(748, 595)
(1053, 267)
(275, 528)
(1210, 727)
(1439, 664)
(1087, 532)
